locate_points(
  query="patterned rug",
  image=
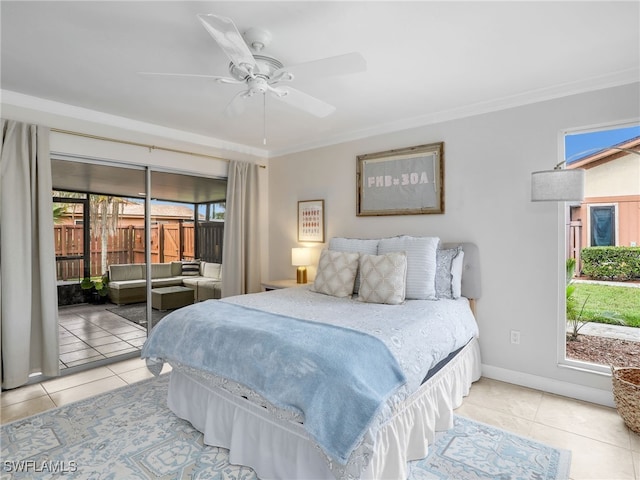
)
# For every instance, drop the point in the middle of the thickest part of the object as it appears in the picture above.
(129, 433)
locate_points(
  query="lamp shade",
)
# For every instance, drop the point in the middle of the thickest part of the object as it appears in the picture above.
(300, 256)
(560, 185)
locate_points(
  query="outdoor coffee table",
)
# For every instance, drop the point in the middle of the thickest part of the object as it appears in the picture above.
(167, 298)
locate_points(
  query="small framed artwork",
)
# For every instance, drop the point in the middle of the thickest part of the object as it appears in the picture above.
(311, 221)
(405, 181)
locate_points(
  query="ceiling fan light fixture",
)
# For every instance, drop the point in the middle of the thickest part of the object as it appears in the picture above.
(264, 66)
(262, 73)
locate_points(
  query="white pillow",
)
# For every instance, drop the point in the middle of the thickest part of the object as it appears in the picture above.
(336, 273)
(383, 278)
(359, 245)
(421, 263)
(456, 275)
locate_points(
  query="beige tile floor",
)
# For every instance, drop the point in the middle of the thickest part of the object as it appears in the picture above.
(602, 446)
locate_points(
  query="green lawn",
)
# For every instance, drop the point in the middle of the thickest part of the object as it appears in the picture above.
(604, 299)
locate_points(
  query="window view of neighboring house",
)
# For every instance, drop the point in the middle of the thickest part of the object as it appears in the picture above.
(609, 214)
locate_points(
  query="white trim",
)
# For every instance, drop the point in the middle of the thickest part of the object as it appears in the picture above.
(614, 79)
(566, 389)
(598, 127)
(93, 116)
(609, 80)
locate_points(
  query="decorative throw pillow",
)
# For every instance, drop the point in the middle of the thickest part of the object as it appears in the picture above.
(383, 278)
(456, 275)
(191, 268)
(336, 273)
(444, 276)
(421, 263)
(359, 245)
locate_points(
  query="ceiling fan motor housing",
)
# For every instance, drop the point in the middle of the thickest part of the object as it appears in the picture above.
(265, 67)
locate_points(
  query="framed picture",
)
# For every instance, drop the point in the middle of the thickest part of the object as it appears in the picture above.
(311, 221)
(406, 181)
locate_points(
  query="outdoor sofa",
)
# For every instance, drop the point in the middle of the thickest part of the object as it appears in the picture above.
(127, 282)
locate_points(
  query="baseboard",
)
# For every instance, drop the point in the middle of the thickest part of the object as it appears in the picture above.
(550, 385)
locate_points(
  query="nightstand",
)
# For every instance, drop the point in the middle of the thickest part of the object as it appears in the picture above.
(278, 284)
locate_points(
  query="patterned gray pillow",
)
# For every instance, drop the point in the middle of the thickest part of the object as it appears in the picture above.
(383, 278)
(336, 273)
(444, 260)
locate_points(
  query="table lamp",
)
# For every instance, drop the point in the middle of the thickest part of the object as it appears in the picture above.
(301, 257)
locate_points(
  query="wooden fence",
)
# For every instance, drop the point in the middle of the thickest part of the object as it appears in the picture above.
(169, 242)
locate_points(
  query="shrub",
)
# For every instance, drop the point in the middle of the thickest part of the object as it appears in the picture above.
(574, 310)
(611, 263)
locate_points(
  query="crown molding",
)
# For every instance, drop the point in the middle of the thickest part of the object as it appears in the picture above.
(60, 110)
(615, 79)
(69, 115)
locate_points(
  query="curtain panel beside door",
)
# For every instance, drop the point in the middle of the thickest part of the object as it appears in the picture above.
(28, 298)
(241, 252)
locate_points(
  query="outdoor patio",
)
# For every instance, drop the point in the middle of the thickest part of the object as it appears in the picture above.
(90, 333)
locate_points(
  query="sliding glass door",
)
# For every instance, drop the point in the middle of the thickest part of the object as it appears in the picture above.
(119, 228)
(99, 213)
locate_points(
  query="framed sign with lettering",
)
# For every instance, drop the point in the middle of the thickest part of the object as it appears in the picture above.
(407, 181)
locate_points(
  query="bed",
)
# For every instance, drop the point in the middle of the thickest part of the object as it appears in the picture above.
(374, 379)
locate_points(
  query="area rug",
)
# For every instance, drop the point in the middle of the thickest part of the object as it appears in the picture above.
(130, 433)
(137, 313)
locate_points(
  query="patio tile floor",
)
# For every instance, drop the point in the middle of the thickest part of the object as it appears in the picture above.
(89, 333)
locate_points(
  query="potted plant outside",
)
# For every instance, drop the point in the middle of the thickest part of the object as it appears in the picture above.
(96, 290)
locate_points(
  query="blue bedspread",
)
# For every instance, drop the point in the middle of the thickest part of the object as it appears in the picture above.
(339, 378)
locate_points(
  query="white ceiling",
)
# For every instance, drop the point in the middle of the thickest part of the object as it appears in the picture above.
(426, 61)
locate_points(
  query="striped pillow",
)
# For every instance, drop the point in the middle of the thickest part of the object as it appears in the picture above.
(421, 263)
(191, 268)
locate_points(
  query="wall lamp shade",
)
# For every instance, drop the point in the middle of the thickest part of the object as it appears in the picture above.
(301, 257)
(559, 185)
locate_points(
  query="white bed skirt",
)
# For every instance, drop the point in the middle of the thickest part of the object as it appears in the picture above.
(280, 449)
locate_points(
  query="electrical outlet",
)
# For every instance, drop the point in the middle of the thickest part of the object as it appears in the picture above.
(515, 337)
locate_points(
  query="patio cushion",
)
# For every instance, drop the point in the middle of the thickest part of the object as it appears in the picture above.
(133, 271)
(160, 270)
(125, 284)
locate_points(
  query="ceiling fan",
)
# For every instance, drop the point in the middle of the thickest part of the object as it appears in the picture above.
(264, 74)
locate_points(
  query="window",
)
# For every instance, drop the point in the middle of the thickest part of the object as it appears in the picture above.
(602, 225)
(607, 217)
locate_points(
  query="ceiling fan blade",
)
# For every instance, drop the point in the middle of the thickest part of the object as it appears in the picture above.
(191, 75)
(305, 102)
(236, 105)
(225, 33)
(324, 67)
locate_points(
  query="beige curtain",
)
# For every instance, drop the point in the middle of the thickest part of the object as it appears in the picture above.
(28, 296)
(241, 248)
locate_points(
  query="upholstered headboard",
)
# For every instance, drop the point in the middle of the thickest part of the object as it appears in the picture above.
(470, 269)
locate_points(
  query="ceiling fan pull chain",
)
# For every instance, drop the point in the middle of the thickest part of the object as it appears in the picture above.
(264, 118)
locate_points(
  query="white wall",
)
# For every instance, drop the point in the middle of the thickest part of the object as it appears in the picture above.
(488, 162)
